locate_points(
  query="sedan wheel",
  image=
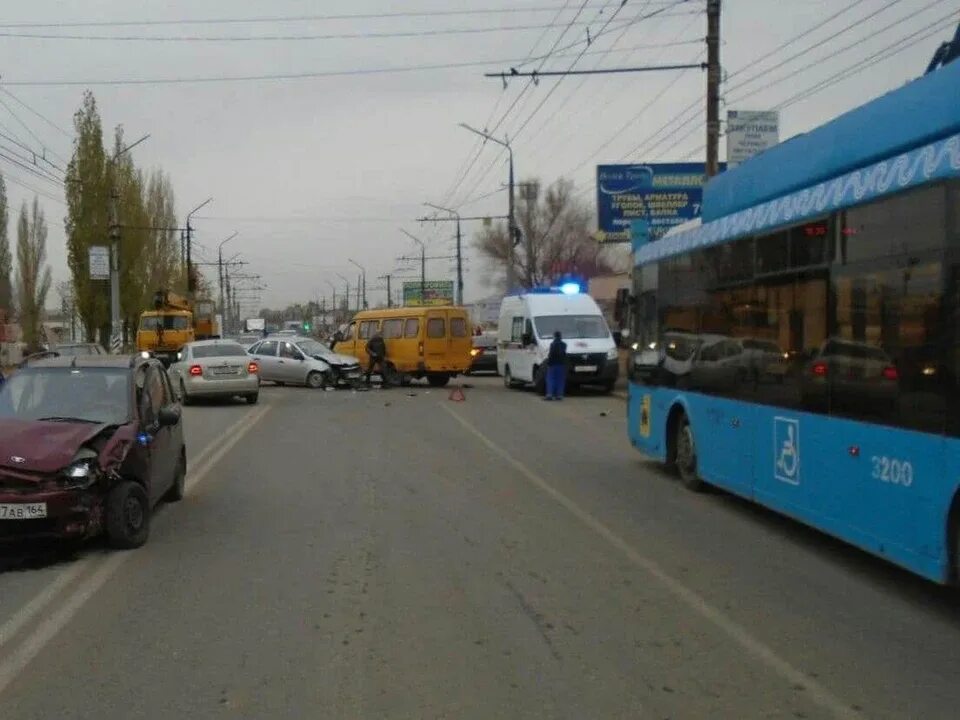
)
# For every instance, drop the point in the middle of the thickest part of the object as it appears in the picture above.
(315, 380)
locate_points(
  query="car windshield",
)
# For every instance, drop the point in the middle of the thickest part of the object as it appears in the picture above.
(312, 347)
(167, 322)
(98, 395)
(572, 326)
(75, 350)
(218, 350)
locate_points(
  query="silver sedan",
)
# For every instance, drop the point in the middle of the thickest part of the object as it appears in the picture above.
(215, 368)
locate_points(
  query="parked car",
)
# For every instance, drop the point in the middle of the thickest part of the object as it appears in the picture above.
(283, 362)
(484, 354)
(88, 444)
(215, 369)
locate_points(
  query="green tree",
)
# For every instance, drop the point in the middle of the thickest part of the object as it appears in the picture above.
(87, 220)
(33, 274)
(6, 258)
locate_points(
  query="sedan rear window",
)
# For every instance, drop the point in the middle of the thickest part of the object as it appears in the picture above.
(219, 350)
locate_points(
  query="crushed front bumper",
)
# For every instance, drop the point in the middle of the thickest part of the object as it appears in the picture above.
(70, 514)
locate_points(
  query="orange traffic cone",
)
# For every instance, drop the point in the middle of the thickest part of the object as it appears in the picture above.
(456, 395)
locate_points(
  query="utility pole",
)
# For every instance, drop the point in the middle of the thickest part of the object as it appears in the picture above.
(389, 296)
(190, 214)
(423, 265)
(455, 215)
(220, 274)
(347, 295)
(363, 282)
(512, 230)
(116, 331)
(713, 87)
(336, 312)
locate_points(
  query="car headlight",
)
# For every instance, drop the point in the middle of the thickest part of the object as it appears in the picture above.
(78, 476)
(613, 354)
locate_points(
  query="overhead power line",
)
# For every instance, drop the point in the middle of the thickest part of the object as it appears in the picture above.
(523, 91)
(370, 35)
(305, 75)
(303, 18)
(854, 68)
(35, 112)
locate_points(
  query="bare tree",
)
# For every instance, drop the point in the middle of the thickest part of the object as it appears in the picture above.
(556, 238)
(33, 274)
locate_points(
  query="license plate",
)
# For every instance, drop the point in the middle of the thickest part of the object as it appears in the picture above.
(225, 371)
(22, 511)
(585, 368)
(490, 351)
(352, 373)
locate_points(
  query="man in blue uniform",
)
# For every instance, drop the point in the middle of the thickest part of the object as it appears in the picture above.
(556, 368)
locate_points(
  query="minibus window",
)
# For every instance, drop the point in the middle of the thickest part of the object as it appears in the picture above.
(436, 328)
(392, 329)
(458, 327)
(411, 328)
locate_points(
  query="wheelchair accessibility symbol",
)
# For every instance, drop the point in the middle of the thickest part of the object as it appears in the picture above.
(786, 450)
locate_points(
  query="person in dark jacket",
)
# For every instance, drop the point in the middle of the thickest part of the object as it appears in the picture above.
(556, 368)
(377, 352)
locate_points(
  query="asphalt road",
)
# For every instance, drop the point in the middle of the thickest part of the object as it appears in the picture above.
(392, 554)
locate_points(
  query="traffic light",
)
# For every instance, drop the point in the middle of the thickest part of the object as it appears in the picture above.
(306, 327)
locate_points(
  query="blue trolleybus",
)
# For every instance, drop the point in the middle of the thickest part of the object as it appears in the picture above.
(801, 346)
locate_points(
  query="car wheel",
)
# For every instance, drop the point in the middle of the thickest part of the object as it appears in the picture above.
(687, 456)
(179, 487)
(540, 380)
(127, 516)
(184, 398)
(252, 398)
(316, 380)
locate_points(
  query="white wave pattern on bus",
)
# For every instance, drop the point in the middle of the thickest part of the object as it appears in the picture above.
(934, 161)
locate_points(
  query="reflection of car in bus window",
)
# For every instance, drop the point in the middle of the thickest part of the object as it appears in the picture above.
(765, 359)
(852, 375)
(719, 364)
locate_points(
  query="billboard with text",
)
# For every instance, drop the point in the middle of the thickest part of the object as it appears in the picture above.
(663, 194)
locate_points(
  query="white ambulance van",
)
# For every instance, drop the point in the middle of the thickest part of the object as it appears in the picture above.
(527, 324)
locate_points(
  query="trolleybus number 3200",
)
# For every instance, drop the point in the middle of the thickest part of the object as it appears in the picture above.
(891, 470)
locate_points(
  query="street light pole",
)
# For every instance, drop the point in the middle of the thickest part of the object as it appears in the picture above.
(455, 214)
(223, 313)
(363, 275)
(190, 214)
(512, 229)
(423, 265)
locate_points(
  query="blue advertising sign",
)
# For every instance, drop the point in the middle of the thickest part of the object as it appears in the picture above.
(663, 194)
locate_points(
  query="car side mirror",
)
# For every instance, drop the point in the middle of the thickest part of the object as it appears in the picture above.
(527, 339)
(169, 415)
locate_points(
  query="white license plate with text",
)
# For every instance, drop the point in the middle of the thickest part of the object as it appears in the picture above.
(22, 511)
(585, 368)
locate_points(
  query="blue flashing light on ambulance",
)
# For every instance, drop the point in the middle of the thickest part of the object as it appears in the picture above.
(801, 346)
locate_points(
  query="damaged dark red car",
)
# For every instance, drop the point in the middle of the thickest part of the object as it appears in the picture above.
(88, 445)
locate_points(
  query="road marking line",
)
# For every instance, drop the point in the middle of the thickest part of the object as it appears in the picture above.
(734, 630)
(48, 629)
(27, 612)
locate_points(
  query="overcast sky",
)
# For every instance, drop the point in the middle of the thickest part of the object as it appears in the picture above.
(317, 170)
